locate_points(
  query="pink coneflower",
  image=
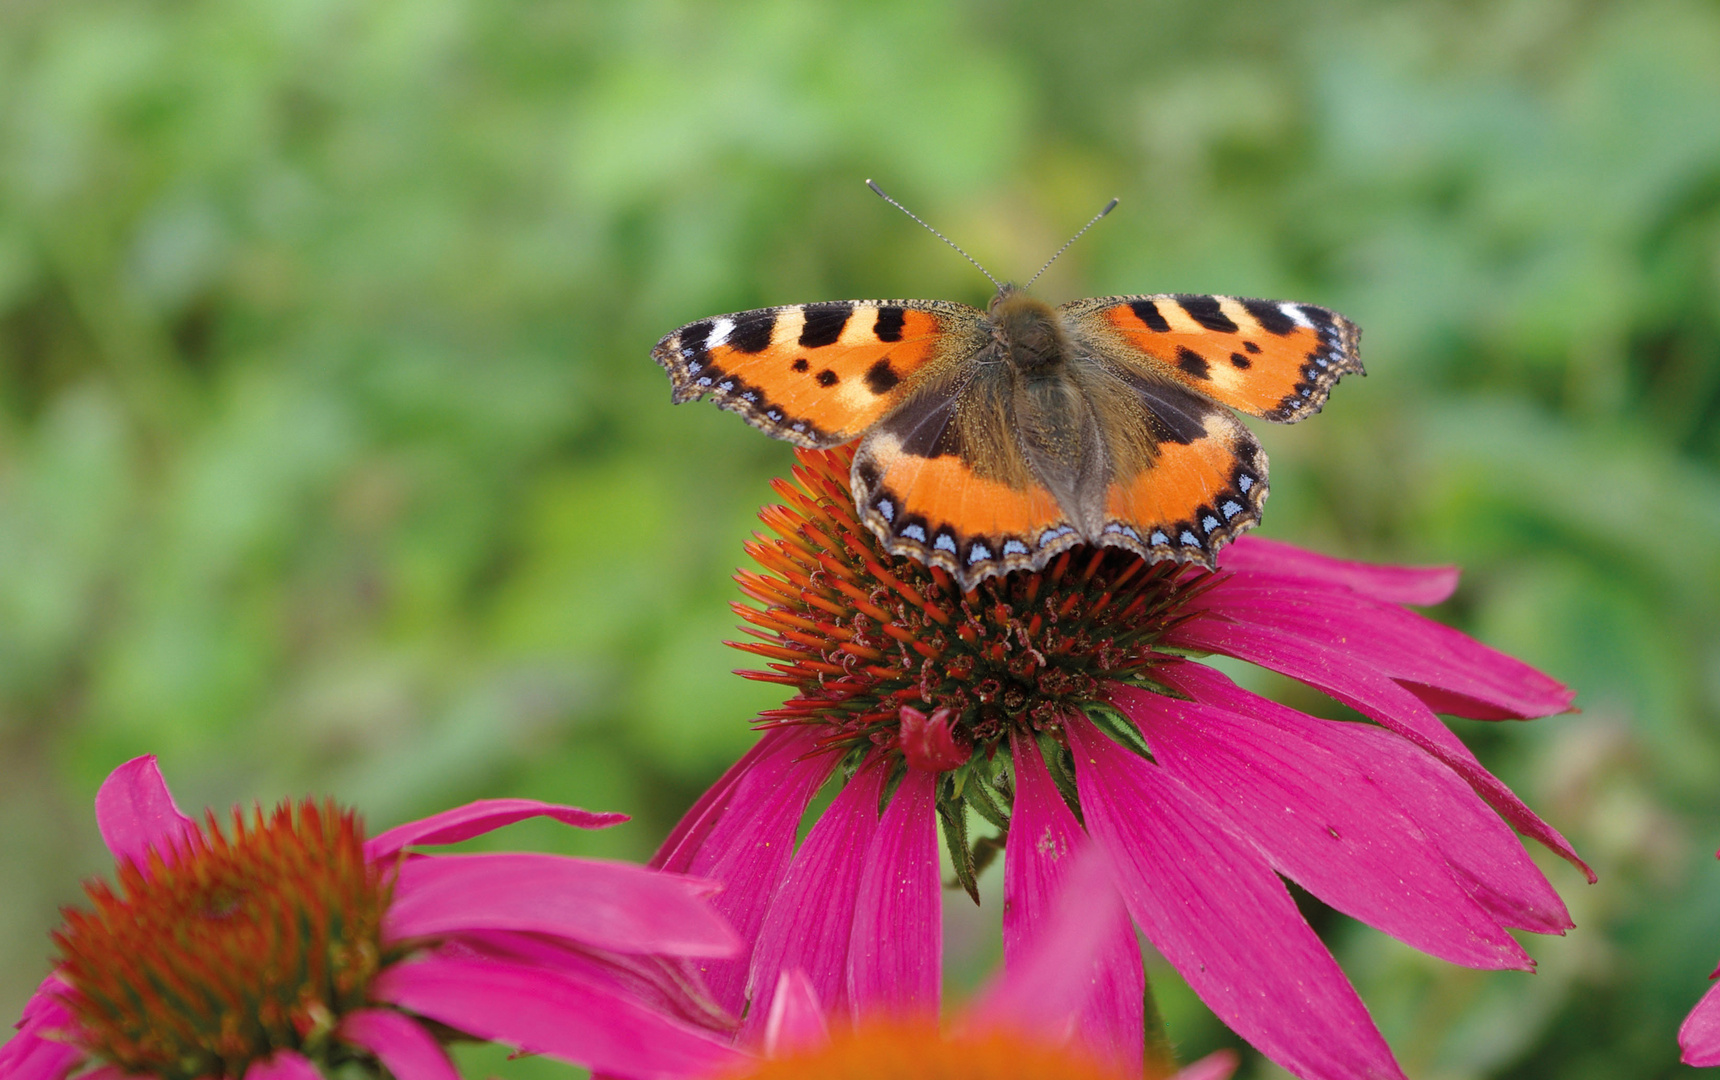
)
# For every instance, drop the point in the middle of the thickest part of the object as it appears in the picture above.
(1065, 705)
(288, 945)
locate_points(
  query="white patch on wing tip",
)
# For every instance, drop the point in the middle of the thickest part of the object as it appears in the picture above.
(1294, 312)
(720, 331)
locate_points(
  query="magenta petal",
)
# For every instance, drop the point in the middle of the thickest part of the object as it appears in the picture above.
(1321, 823)
(609, 905)
(1368, 691)
(545, 1012)
(1481, 849)
(1214, 1066)
(684, 840)
(811, 917)
(796, 1019)
(1699, 1035)
(895, 956)
(28, 1056)
(1044, 841)
(285, 1065)
(135, 812)
(1422, 585)
(1465, 676)
(478, 818)
(1207, 899)
(1048, 989)
(745, 841)
(404, 1048)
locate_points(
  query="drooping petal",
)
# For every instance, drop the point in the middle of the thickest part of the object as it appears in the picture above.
(1213, 907)
(1421, 585)
(609, 905)
(670, 985)
(689, 834)
(811, 918)
(1699, 1035)
(547, 1012)
(1048, 989)
(285, 1065)
(28, 1056)
(1217, 1065)
(135, 812)
(796, 1021)
(478, 818)
(1487, 857)
(895, 956)
(1464, 676)
(1322, 823)
(748, 842)
(404, 1048)
(1044, 842)
(1355, 684)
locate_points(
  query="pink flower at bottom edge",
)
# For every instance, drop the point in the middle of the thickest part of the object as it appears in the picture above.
(288, 944)
(1078, 690)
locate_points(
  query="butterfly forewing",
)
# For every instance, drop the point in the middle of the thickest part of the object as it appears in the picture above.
(1268, 358)
(817, 375)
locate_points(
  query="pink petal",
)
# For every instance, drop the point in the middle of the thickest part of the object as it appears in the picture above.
(1044, 841)
(1368, 691)
(1256, 555)
(1482, 851)
(929, 742)
(1321, 823)
(812, 916)
(895, 956)
(685, 839)
(1048, 989)
(668, 985)
(608, 905)
(1465, 676)
(136, 813)
(745, 840)
(796, 1020)
(478, 818)
(28, 1056)
(545, 1012)
(405, 1049)
(1699, 1036)
(285, 1065)
(1214, 1066)
(1206, 898)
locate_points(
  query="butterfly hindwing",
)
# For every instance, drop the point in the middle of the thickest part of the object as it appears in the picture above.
(1267, 358)
(1195, 484)
(942, 480)
(819, 374)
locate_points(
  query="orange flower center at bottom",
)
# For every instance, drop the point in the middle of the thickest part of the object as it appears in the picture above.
(921, 1052)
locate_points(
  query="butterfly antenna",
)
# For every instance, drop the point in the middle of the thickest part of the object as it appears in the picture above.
(1110, 206)
(878, 191)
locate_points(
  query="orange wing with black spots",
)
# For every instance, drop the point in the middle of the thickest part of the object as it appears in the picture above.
(1267, 358)
(818, 375)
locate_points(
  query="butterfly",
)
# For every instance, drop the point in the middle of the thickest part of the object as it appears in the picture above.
(992, 441)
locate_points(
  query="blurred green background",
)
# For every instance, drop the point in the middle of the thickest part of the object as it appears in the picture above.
(332, 456)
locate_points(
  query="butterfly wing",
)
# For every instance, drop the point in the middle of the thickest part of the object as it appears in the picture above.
(1185, 475)
(943, 479)
(1267, 358)
(818, 375)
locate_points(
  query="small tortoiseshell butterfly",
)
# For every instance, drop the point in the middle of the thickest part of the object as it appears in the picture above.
(994, 440)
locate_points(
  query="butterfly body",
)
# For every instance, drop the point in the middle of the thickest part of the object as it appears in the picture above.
(993, 441)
